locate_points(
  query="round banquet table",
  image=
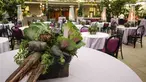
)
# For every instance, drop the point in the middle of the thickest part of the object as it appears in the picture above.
(8, 24)
(47, 22)
(60, 18)
(100, 25)
(127, 31)
(4, 44)
(121, 27)
(90, 66)
(22, 28)
(96, 41)
(80, 26)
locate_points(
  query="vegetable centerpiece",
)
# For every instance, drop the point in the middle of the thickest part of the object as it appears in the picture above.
(44, 54)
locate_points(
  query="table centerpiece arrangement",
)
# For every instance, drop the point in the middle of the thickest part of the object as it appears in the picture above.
(93, 29)
(130, 24)
(43, 54)
(127, 25)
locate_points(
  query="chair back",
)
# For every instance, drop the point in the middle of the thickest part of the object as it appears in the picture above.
(140, 31)
(84, 29)
(52, 25)
(120, 33)
(105, 25)
(1, 30)
(8, 31)
(5, 30)
(88, 22)
(58, 25)
(19, 24)
(112, 45)
(17, 33)
(113, 24)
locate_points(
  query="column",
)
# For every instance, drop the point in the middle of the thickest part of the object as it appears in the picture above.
(103, 14)
(19, 13)
(71, 13)
(131, 16)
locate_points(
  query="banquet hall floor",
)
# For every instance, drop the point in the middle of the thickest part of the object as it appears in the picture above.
(135, 58)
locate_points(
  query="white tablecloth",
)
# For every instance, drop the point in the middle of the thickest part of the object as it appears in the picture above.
(127, 31)
(143, 22)
(4, 45)
(121, 27)
(60, 18)
(79, 26)
(9, 24)
(47, 22)
(93, 23)
(22, 28)
(74, 23)
(90, 66)
(100, 24)
(95, 41)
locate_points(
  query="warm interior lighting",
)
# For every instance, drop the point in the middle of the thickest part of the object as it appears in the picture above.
(27, 8)
(91, 9)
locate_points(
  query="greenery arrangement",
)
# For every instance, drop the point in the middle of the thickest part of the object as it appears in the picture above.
(93, 29)
(10, 6)
(127, 24)
(114, 7)
(42, 48)
(130, 24)
(80, 11)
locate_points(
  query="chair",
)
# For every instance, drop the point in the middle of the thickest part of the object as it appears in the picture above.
(52, 25)
(8, 31)
(113, 27)
(112, 45)
(88, 22)
(120, 33)
(5, 31)
(137, 36)
(1, 30)
(105, 27)
(16, 35)
(84, 29)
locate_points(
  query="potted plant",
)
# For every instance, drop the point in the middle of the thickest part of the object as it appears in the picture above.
(127, 24)
(93, 29)
(132, 24)
(43, 54)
